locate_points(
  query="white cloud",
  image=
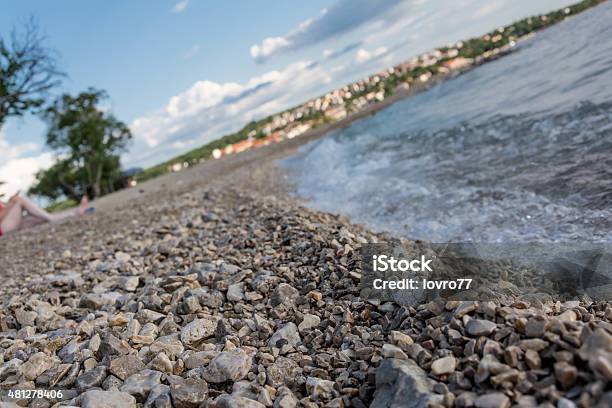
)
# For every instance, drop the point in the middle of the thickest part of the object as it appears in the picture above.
(180, 6)
(362, 55)
(343, 17)
(268, 47)
(209, 110)
(18, 171)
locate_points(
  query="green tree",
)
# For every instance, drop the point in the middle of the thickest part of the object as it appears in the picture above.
(27, 72)
(88, 141)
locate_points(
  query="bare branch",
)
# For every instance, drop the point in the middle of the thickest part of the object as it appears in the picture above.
(28, 71)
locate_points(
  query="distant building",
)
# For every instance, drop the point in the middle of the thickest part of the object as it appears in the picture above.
(242, 146)
(457, 63)
(336, 113)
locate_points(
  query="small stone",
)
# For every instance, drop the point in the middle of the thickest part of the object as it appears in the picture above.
(188, 393)
(391, 351)
(568, 316)
(284, 294)
(199, 359)
(230, 401)
(566, 403)
(319, 389)
(122, 256)
(286, 335)
(159, 397)
(37, 364)
(197, 330)
(401, 383)
(478, 327)
(309, 322)
(124, 366)
(364, 353)
(565, 374)
(91, 378)
(400, 339)
(444, 365)
(95, 301)
(533, 344)
(532, 359)
(162, 363)
(285, 399)
(111, 345)
(235, 292)
(466, 399)
(602, 365)
(112, 382)
(464, 308)
(107, 399)
(527, 401)
(89, 364)
(129, 283)
(264, 397)
(142, 383)
(512, 355)
(171, 345)
(535, 327)
(230, 365)
(191, 305)
(493, 400)
(282, 372)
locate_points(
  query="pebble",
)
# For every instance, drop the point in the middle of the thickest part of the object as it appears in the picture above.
(230, 365)
(197, 330)
(37, 364)
(286, 335)
(124, 366)
(308, 322)
(319, 389)
(444, 365)
(140, 384)
(492, 400)
(92, 378)
(107, 399)
(188, 393)
(478, 327)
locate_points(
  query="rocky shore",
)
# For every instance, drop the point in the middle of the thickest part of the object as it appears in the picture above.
(219, 296)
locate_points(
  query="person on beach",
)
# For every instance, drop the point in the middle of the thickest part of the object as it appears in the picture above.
(12, 214)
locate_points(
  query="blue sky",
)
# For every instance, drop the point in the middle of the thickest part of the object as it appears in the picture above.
(182, 73)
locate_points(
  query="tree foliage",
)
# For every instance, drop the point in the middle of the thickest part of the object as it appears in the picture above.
(88, 142)
(27, 72)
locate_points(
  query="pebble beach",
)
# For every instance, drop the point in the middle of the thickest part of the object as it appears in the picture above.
(215, 287)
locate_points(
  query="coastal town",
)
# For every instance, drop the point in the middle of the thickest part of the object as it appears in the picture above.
(403, 79)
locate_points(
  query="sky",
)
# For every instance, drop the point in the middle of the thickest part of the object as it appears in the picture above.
(181, 73)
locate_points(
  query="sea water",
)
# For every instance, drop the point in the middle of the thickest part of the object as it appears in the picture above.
(516, 150)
